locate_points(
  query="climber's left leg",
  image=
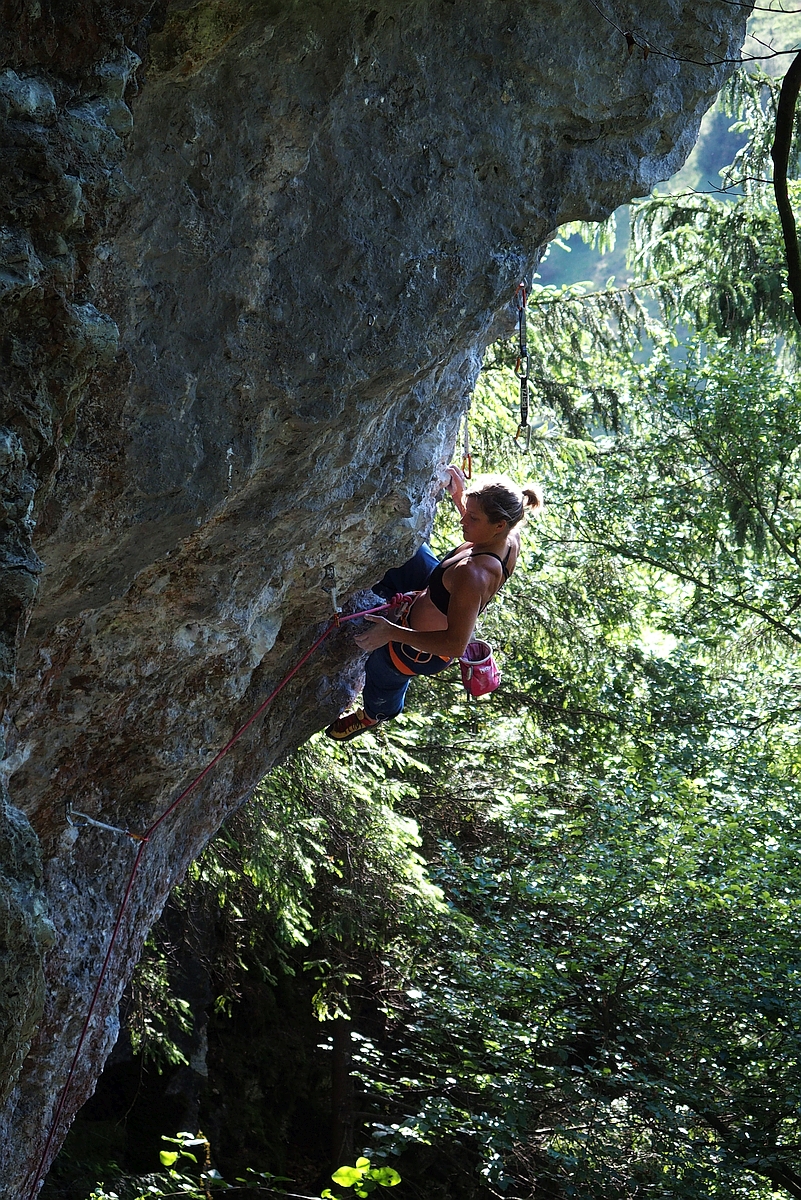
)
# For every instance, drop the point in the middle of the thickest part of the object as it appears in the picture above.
(385, 686)
(411, 576)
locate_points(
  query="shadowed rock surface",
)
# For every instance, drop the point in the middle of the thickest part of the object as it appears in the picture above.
(251, 256)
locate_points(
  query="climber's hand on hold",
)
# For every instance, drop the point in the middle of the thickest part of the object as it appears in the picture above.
(455, 487)
(379, 633)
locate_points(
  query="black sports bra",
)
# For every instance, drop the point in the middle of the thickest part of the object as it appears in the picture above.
(439, 594)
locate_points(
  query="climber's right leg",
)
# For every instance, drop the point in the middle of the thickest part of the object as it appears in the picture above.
(411, 576)
(382, 698)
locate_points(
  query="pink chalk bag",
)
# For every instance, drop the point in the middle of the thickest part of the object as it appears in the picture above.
(480, 674)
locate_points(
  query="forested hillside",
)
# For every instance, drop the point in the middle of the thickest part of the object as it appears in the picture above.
(549, 943)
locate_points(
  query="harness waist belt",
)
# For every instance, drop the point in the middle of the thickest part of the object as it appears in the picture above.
(409, 661)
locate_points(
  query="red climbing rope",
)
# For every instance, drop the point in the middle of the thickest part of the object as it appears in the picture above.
(143, 840)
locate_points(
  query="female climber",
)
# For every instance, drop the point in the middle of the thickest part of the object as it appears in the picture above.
(434, 625)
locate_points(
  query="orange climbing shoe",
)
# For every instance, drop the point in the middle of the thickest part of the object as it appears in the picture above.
(351, 725)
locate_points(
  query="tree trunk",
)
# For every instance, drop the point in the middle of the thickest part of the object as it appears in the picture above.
(780, 153)
(341, 1094)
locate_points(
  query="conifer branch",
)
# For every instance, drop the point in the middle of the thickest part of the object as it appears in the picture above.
(739, 602)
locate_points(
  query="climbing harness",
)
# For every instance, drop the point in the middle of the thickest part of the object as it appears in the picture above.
(521, 368)
(143, 839)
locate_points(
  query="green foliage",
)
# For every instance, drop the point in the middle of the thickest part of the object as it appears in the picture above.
(176, 1180)
(172, 1182)
(155, 1016)
(600, 235)
(704, 489)
(318, 859)
(364, 1178)
(717, 262)
(626, 947)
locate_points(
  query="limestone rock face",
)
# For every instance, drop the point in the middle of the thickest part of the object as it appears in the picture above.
(251, 254)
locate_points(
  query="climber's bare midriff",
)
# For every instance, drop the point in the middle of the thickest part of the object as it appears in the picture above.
(424, 614)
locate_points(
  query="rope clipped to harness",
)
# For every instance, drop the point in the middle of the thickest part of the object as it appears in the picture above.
(523, 435)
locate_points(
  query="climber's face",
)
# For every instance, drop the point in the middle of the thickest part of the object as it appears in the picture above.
(476, 525)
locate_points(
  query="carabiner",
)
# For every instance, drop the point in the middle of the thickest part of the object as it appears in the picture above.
(329, 585)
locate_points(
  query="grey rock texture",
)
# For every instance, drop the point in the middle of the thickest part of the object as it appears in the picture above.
(251, 255)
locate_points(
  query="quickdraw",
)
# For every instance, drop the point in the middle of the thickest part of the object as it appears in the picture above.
(85, 819)
(329, 585)
(521, 368)
(467, 457)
